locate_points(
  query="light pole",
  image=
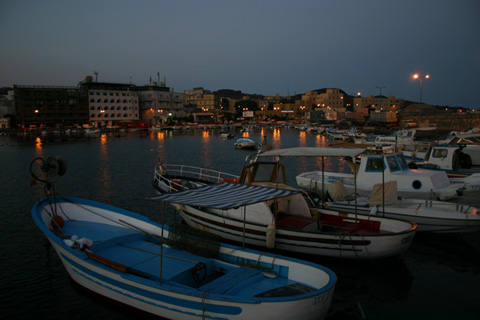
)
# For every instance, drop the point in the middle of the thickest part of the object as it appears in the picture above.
(380, 89)
(417, 76)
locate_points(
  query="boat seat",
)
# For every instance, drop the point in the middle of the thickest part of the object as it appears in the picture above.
(233, 280)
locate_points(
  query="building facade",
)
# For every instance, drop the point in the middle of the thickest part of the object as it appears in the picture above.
(49, 106)
(157, 102)
(110, 104)
(379, 103)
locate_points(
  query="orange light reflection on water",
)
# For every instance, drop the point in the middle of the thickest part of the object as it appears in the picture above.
(276, 139)
(206, 149)
(320, 141)
(38, 147)
(104, 175)
(302, 139)
(161, 135)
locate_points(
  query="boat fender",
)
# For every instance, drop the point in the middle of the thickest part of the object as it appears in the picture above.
(373, 211)
(270, 236)
(57, 222)
(85, 242)
(176, 185)
(179, 207)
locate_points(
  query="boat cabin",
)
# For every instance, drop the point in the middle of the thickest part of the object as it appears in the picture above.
(395, 168)
(260, 172)
(446, 157)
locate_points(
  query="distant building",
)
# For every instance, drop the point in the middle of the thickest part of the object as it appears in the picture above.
(109, 104)
(50, 106)
(157, 102)
(191, 96)
(208, 102)
(331, 102)
(378, 103)
(6, 101)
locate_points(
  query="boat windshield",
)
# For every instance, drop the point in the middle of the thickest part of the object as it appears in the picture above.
(401, 160)
(375, 164)
(393, 164)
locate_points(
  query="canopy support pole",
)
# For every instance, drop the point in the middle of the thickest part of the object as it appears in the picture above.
(244, 222)
(161, 243)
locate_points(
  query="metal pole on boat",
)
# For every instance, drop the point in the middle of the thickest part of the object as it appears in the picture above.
(383, 185)
(355, 196)
(244, 218)
(323, 180)
(161, 243)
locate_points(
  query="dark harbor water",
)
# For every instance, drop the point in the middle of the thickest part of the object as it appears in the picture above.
(438, 277)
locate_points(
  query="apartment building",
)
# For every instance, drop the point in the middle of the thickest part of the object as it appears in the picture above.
(157, 102)
(110, 104)
(379, 103)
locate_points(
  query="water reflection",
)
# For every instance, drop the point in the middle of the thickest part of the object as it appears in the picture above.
(103, 168)
(206, 149)
(161, 135)
(320, 140)
(38, 147)
(276, 139)
(302, 139)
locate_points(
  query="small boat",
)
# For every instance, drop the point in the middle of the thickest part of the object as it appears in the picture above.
(93, 132)
(270, 215)
(165, 272)
(430, 215)
(379, 167)
(177, 177)
(245, 143)
(227, 135)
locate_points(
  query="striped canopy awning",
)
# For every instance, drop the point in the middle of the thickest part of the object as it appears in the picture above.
(225, 195)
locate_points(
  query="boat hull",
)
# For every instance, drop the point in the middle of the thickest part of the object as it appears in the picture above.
(430, 217)
(331, 244)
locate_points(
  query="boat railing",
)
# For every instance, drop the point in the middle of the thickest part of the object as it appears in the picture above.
(194, 173)
(459, 207)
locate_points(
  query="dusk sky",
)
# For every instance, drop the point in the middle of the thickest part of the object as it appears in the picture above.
(256, 46)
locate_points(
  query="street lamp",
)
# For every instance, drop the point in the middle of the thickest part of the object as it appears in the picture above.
(417, 76)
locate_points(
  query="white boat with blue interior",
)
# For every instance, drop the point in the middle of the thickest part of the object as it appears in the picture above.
(162, 271)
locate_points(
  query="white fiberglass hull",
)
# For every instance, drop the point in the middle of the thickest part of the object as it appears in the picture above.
(430, 216)
(339, 245)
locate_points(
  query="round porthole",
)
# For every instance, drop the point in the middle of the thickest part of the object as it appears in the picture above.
(416, 184)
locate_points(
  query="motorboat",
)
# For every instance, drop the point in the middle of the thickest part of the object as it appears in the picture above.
(226, 135)
(430, 215)
(471, 140)
(165, 272)
(379, 167)
(245, 143)
(265, 213)
(457, 164)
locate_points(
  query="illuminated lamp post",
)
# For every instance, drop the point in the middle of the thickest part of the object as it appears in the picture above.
(417, 76)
